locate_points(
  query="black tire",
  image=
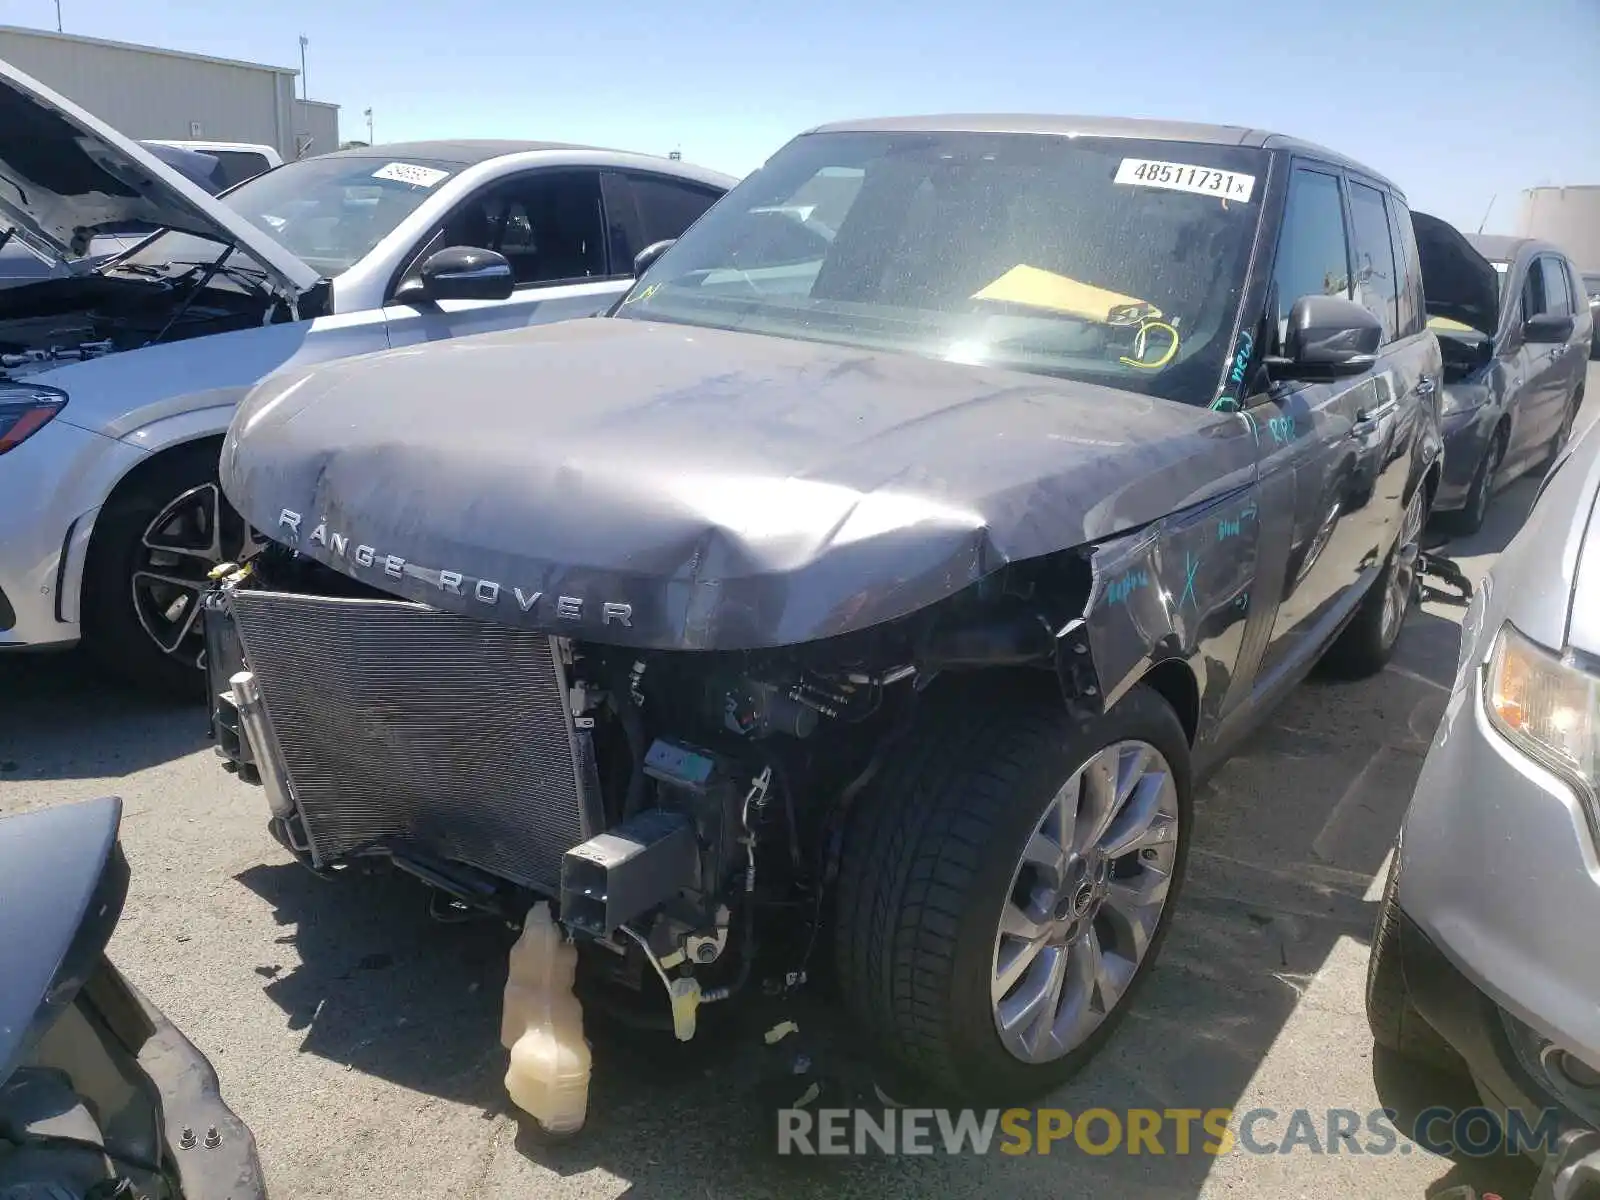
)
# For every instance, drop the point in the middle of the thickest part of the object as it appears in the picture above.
(1365, 645)
(1558, 443)
(1396, 1024)
(1469, 518)
(114, 635)
(932, 849)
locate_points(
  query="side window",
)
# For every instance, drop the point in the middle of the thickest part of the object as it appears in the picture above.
(1376, 279)
(1557, 292)
(546, 223)
(235, 166)
(668, 206)
(1312, 258)
(1412, 307)
(1533, 302)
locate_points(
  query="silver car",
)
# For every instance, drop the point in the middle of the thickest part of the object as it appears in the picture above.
(1514, 325)
(117, 380)
(1484, 954)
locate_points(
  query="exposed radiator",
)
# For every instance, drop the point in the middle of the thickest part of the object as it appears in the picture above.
(402, 725)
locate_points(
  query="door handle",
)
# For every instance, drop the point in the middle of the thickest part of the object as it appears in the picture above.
(1425, 386)
(1368, 419)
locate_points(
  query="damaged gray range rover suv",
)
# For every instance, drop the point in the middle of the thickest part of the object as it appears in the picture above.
(889, 562)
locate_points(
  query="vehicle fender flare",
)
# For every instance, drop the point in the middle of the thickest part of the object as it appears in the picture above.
(165, 432)
(157, 437)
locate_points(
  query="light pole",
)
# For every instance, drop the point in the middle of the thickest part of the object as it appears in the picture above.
(304, 94)
(58, 16)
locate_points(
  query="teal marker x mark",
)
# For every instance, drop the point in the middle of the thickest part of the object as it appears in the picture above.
(1192, 564)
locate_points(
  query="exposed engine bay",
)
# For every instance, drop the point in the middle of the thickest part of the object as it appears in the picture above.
(54, 322)
(682, 808)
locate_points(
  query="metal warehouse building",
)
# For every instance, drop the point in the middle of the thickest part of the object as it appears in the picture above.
(1567, 216)
(147, 92)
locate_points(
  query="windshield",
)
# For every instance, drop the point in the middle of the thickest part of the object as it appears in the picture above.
(1111, 260)
(328, 211)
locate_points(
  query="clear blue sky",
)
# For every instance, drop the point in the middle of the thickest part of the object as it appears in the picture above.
(1456, 101)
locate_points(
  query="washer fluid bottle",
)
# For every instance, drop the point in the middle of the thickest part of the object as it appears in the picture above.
(542, 1025)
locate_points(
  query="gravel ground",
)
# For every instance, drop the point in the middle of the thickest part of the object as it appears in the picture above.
(359, 1039)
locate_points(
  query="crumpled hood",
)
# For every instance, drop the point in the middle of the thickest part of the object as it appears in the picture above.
(659, 485)
(65, 175)
(1460, 284)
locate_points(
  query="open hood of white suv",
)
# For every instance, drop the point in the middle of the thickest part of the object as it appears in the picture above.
(65, 175)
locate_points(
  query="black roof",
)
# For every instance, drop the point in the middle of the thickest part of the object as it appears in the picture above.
(465, 151)
(1111, 127)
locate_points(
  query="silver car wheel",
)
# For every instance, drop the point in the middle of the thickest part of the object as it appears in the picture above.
(190, 536)
(1085, 900)
(1403, 575)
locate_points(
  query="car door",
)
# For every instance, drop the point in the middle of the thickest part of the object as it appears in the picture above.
(1572, 357)
(643, 208)
(1323, 445)
(550, 225)
(1393, 405)
(1542, 369)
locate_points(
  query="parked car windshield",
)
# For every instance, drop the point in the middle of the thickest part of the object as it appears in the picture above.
(1111, 260)
(329, 211)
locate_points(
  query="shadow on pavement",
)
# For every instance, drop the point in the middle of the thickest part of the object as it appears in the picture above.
(61, 719)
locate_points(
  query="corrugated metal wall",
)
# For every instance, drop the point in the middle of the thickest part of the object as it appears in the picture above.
(318, 125)
(148, 94)
(1567, 216)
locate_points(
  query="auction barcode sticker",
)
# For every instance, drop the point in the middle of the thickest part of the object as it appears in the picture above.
(410, 173)
(1185, 177)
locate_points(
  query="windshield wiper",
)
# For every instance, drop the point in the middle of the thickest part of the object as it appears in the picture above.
(208, 272)
(218, 264)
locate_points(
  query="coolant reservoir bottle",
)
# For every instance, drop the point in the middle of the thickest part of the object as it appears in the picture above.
(542, 1026)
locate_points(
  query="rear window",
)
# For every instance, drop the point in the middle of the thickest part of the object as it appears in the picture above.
(235, 166)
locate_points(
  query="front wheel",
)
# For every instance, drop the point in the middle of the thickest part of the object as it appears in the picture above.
(1007, 884)
(1563, 434)
(1471, 516)
(154, 544)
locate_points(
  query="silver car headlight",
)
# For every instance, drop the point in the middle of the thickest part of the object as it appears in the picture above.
(1463, 397)
(1548, 707)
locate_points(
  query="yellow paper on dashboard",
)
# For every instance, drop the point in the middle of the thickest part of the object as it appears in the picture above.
(1036, 288)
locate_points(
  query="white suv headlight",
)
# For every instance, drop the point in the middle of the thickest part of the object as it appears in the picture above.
(1548, 707)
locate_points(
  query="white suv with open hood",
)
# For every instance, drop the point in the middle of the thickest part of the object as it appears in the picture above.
(118, 380)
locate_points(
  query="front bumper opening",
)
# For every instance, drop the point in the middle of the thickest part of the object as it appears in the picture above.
(384, 726)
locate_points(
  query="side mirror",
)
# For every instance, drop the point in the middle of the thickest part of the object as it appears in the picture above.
(646, 258)
(1329, 337)
(460, 273)
(1546, 328)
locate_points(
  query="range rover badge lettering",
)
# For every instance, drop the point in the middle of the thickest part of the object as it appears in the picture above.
(452, 583)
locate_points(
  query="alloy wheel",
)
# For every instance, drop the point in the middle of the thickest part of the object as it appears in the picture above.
(1086, 898)
(1403, 572)
(194, 533)
(1484, 484)
(1564, 434)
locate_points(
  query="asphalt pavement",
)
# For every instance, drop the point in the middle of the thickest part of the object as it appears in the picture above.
(359, 1038)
